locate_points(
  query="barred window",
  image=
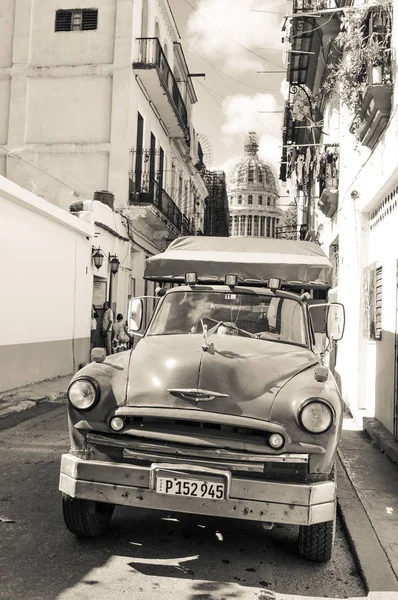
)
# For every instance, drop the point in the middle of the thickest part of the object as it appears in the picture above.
(76, 19)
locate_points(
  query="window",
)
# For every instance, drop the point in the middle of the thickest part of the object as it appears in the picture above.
(250, 199)
(249, 225)
(239, 199)
(272, 318)
(260, 175)
(255, 226)
(76, 20)
(262, 226)
(269, 201)
(242, 225)
(250, 177)
(260, 199)
(236, 225)
(373, 299)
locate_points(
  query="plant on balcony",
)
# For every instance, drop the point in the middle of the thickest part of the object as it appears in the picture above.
(300, 107)
(366, 57)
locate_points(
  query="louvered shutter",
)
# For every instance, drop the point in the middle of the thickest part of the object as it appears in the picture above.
(90, 19)
(63, 20)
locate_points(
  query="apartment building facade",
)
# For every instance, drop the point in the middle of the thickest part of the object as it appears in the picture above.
(98, 97)
(339, 160)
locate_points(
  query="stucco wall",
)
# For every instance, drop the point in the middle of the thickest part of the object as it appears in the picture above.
(88, 47)
(45, 304)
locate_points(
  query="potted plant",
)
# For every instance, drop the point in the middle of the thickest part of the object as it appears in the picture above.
(365, 40)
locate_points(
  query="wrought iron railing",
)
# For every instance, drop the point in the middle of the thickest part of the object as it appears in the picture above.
(300, 6)
(167, 206)
(150, 53)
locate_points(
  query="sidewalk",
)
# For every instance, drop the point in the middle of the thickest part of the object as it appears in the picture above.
(17, 400)
(367, 485)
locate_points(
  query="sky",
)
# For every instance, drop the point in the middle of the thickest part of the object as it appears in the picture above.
(230, 41)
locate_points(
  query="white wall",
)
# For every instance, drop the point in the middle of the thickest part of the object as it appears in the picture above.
(45, 304)
(49, 47)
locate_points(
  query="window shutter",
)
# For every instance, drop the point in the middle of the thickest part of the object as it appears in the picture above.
(90, 19)
(378, 302)
(63, 20)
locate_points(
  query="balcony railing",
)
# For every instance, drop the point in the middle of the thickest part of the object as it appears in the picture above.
(155, 195)
(301, 6)
(167, 206)
(151, 55)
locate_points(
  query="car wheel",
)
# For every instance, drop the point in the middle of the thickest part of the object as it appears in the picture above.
(86, 518)
(315, 542)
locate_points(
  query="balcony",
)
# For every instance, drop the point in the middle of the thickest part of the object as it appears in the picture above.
(157, 208)
(303, 6)
(375, 113)
(161, 86)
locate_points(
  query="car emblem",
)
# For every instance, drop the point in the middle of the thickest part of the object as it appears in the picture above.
(196, 394)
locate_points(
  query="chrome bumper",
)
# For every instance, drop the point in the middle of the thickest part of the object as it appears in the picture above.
(129, 485)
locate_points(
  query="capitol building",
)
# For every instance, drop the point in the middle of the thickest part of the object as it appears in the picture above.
(252, 195)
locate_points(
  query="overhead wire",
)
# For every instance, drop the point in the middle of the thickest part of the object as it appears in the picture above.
(253, 87)
(229, 37)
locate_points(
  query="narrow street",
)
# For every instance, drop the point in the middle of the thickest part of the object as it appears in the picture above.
(146, 555)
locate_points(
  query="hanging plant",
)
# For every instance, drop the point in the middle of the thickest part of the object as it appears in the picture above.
(300, 107)
(366, 58)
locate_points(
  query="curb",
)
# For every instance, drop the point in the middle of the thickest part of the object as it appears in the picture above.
(369, 555)
(381, 438)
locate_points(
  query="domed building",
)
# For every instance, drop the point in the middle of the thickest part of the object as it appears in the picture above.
(252, 195)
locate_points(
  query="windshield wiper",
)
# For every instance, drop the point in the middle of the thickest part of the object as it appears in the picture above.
(228, 324)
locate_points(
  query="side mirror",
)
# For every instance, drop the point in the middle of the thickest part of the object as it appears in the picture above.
(335, 321)
(98, 355)
(136, 311)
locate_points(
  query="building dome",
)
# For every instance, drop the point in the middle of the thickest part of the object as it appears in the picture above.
(253, 194)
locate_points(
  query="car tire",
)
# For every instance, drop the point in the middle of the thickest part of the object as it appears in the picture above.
(86, 518)
(315, 542)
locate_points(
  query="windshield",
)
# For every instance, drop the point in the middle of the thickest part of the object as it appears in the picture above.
(247, 314)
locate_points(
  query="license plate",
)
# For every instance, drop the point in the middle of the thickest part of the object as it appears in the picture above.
(193, 488)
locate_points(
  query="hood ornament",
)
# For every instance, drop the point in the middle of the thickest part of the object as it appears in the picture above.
(206, 346)
(196, 394)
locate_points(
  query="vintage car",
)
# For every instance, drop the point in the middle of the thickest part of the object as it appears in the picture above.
(225, 407)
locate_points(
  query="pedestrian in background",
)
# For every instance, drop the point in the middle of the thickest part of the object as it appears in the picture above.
(121, 338)
(106, 328)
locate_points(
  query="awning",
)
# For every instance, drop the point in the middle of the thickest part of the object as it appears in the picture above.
(253, 260)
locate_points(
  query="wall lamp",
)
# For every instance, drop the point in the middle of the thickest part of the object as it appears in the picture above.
(114, 263)
(98, 257)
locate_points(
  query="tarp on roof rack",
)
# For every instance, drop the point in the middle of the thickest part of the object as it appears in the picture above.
(253, 260)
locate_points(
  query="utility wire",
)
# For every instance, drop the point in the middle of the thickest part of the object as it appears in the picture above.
(44, 172)
(231, 38)
(253, 87)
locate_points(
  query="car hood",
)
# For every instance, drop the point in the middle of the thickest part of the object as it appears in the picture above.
(247, 373)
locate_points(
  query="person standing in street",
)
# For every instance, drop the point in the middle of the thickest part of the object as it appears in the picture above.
(106, 328)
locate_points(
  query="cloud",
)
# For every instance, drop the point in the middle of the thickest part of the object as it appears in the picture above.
(241, 114)
(220, 28)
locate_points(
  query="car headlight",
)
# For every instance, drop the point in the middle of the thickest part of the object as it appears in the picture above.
(83, 394)
(316, 416)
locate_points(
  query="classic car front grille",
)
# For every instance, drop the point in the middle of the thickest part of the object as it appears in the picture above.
(285, 467)
(198, 426)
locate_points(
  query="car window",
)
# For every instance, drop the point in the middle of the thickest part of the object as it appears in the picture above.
(265, 317)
